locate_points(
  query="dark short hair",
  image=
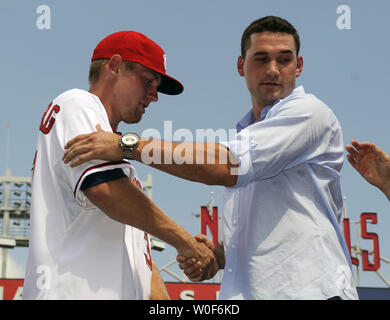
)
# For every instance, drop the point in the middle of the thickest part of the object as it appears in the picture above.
(96, 67)
(270, 24)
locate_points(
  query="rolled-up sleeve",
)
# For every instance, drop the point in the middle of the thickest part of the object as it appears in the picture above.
(241, 148)
(295, 132)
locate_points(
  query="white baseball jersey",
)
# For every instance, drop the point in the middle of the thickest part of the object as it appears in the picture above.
(76, 250)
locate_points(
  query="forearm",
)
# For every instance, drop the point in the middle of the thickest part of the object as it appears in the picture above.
(124, 202)
(209, 163)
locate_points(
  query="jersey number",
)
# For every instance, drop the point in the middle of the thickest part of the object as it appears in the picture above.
(48, 118)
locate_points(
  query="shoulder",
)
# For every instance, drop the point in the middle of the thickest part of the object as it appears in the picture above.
(77, 100)
(304, 100)
(305, 104)
(75, 97)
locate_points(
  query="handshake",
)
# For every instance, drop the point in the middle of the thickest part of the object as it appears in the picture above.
(197, 271)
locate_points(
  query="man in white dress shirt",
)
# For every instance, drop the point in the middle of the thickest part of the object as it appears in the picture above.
(283, 203)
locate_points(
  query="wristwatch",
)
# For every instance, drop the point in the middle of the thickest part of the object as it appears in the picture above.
(128, 142)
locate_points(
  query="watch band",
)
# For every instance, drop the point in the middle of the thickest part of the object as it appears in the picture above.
(128, 149)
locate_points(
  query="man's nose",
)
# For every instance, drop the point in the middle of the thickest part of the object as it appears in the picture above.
(273, 69)
(153, 95)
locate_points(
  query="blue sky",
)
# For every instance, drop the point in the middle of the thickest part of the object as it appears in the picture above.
(347, 69)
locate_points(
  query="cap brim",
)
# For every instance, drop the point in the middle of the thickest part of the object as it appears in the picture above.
(170, 85)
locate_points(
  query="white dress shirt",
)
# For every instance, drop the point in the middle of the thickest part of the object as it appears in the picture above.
(281, 220)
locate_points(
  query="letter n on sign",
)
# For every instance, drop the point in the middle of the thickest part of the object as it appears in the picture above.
(212, 222)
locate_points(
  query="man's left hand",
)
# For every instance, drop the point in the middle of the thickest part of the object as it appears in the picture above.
(101, 145)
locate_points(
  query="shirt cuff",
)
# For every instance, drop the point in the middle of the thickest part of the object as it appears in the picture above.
(81, 199)
(101, 177)
(240, 148)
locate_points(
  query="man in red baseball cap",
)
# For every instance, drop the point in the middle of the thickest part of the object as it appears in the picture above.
(136, 47)
(138, 56)
(90, 225)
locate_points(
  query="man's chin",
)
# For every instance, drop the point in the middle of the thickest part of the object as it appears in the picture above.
(271, 98)
(275, 95)
(133, 120)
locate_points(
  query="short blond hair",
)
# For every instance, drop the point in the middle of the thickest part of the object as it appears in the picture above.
(96, 66)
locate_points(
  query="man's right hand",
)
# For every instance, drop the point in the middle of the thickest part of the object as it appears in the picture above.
(101, 145)
(192, 267)
(372, 163)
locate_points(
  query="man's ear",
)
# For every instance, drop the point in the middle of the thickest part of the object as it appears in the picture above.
(299, 66)
(240, 66)
(114, 63)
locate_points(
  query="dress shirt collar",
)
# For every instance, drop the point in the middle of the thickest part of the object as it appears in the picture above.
(249, 117)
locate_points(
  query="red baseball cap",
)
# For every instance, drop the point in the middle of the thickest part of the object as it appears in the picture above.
(136, 47)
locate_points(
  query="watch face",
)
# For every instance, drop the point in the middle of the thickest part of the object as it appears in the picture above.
(130, 139)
